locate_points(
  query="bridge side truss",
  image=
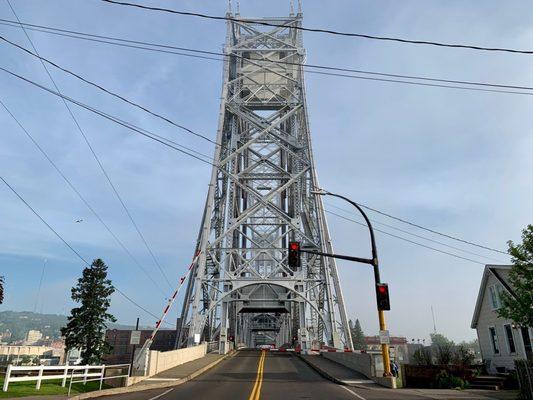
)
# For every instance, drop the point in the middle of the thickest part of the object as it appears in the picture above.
(259, 199)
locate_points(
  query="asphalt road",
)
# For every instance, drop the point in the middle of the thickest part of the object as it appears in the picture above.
(254, 375)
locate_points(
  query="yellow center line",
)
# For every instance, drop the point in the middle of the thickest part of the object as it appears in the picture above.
(258, 392)
(259, 378)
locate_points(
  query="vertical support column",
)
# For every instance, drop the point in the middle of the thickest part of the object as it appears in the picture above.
(102, 373)
(39, 378)
(302, 332)
(223, 341)
(6, 379)
(65, 374)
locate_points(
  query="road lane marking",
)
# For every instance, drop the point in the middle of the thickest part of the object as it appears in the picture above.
(259, 378)
(162, 379)
(258, 392)
(161, 395)
(352, 392)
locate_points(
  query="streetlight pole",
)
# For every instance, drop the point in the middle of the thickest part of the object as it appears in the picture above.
(375, 264)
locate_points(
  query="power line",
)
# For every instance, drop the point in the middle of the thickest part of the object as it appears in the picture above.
(433, 231)
(161, 48)
(406, 240)
(80, 196)
(417, 236)
(44, 222)
(165, 142)
(114, 94)
(320, 30)
(97, 159)
(144, 132)
(69, 246)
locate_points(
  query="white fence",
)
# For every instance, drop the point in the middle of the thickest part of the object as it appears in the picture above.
(87, 373)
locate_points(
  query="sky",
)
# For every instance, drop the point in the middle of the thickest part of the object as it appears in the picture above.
(452, 160)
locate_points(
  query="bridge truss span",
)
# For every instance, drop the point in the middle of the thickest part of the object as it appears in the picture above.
(258, 200)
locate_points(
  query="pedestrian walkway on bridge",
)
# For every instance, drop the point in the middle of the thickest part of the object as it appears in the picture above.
(183, 371)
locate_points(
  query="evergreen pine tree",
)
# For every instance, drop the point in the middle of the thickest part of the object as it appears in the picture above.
(519, 306)
(87, 324)
(1, 289)
(358, 336)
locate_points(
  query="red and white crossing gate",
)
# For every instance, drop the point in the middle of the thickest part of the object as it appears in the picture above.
(146, 346)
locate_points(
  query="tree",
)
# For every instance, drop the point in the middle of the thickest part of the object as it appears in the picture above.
(358, 336)
(438, 339)
(1, 289)
(87, 324)
(422, 356)
(518, 306)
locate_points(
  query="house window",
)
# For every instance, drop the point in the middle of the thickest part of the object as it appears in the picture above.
(495, 298)
(510, 338)
(494, 340)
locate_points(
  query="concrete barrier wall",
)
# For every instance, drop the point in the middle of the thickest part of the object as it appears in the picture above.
(360, 362)
(159, 361)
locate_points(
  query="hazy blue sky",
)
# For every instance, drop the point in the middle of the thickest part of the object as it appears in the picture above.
(457, 161)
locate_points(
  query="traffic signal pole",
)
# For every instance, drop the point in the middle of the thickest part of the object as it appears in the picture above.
(375, 264)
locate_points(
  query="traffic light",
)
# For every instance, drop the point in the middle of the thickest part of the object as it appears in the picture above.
(294, 254)
(382, 294)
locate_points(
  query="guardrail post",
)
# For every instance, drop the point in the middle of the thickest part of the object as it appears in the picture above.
(102, 376)
(128, 377)
(6, 379)
(65, 375)
(70, 383)
(39, 378)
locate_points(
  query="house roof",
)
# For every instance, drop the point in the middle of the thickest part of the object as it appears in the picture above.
(489, 270)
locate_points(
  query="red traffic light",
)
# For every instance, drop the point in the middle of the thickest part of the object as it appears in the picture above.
(382, 294)
(294, 255)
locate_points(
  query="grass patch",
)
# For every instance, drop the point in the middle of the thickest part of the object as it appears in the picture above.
(48, 388)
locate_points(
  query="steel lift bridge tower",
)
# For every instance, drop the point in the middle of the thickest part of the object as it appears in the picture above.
(259, 199)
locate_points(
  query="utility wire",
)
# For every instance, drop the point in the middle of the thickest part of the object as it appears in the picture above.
(319, 30)
(406, 240)
(307, 67)
(433, 231)
(97, 159)
(125, 124)
(70, 247)
(417, 236)
(172, 146)
(80, 196)
(114, 94)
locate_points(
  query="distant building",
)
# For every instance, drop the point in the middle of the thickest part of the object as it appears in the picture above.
(120, 339)
(500, 341)
(9, 353)
(5, 336)
(32, 337)
(398, 347)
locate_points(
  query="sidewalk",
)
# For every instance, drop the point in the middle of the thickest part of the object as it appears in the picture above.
(171, 377)
(470, 394)
(336, 372)
(182, 371)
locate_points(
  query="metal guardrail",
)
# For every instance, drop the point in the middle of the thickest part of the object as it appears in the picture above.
(42, 373)
(98, 376)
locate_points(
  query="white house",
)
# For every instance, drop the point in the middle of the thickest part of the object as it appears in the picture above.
(501, 342)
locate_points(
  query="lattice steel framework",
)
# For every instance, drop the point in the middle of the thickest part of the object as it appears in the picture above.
(260, 198)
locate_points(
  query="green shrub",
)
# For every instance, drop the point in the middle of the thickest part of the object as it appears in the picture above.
(445, 380)
(463, 356)
(422, 356)
(444, 354)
